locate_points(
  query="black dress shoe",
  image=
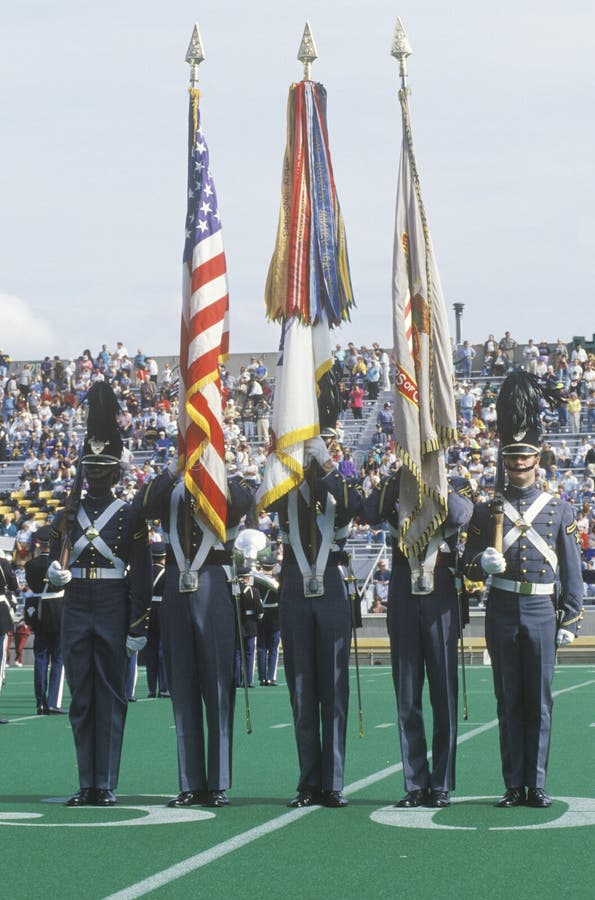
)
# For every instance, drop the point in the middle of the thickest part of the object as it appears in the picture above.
(271, 684)
(537, 798)
(84, 797)
(334, 799)
(438, 799)
(151, 695)
(164, 694)
(217, 798)
(41, 711)
(104, 797)
(187, 798)
(512, 797)
(3, 721)
(55, 711)
(412, 799)
(308, 796)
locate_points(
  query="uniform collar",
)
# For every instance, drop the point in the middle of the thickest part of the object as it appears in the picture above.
(522, 493)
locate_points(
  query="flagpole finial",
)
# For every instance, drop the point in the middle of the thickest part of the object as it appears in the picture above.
(195, 54)
(307, 52)
(401, 49)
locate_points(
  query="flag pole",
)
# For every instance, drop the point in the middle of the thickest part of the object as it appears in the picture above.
(194, 56)
(401, 50)
(307, 52)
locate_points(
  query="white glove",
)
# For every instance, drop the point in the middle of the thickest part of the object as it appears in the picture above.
(315, 449)
(564, 637)
(57, 576)
(492, 561)
(134, 644)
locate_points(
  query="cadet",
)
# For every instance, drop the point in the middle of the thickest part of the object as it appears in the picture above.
(198, 627)
(316, 622)
(526, 615)
(43, 613)
(423, 626)
(251, 612)
(269, 627)
(108, 590)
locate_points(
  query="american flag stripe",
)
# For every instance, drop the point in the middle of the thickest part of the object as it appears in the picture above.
(204, 337)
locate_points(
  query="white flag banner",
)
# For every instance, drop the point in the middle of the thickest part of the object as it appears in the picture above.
(304, 356)
(425, 419)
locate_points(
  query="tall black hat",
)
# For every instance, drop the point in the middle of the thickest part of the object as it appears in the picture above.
(103, 444)
(517, 410)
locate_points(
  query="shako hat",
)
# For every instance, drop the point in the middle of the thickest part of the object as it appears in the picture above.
(103, 444)
(517, 413)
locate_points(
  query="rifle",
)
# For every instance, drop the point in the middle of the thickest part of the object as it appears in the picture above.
(69, 515)
(497, 505)
(459, 589)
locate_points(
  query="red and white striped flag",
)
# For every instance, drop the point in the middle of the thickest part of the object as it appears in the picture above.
(204, 340)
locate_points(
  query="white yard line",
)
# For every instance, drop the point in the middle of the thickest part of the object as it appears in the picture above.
(166, 876)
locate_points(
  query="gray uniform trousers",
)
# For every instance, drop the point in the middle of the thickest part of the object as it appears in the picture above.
(521, 640)
(423, 631)
(198, 632)
(316, 634)
(93, 638)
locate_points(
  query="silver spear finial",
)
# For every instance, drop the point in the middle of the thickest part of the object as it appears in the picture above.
(401, 49)
(307, 52)
(195, 55)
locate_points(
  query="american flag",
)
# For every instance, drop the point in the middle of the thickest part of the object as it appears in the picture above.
(204, 341)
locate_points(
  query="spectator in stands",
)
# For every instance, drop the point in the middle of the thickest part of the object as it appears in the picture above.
(380, 580)
(500, 364)
(573, 409)
(386, 420)
(356, 396)
(347, 467)
(508, 345)
(5, 361)
(148, 393)
(530, 357)
(465, 357)
(372, 378)
(384, 370)
(379, 440)
(467, 404)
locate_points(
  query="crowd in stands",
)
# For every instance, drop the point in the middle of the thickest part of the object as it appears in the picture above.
(42, 423)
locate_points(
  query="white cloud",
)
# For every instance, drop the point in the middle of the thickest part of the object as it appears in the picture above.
(23, 332)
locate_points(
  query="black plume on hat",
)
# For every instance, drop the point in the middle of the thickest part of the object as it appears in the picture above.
(517, 411)
(103, 444)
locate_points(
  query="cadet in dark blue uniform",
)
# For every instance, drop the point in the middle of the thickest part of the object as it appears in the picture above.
(8, 586)
(107, 594)
(43, 614)
(154, 659)
(423, 626)
(269, 627)
(526, 615)
(316, 624)
(250, 614)
(198, 627)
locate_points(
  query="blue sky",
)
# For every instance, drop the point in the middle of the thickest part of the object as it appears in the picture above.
(92, 161)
